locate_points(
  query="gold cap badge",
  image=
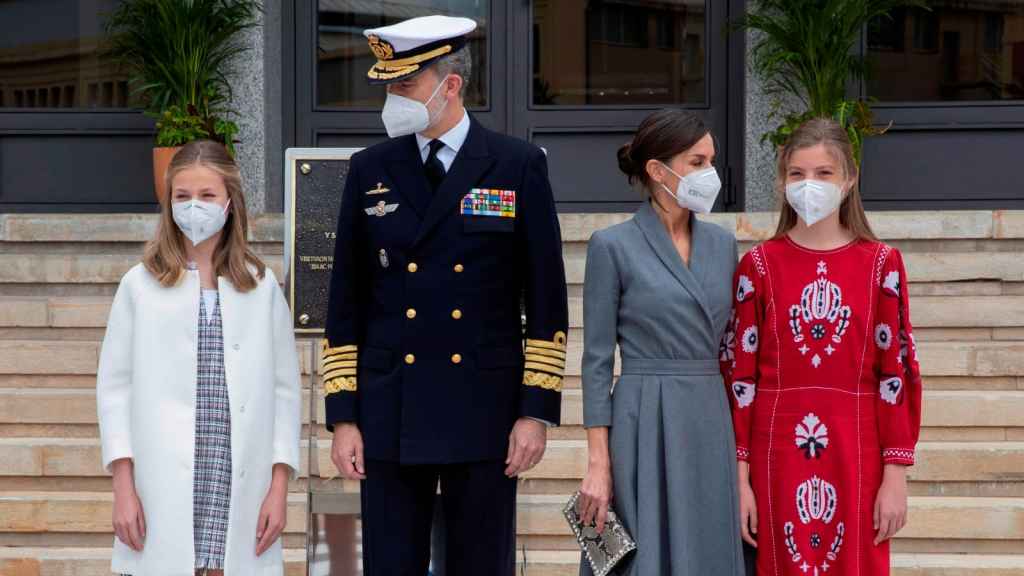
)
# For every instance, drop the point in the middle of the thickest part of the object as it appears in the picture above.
(382, 49)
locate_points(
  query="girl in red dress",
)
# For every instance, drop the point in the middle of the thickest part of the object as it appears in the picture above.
(823, 375)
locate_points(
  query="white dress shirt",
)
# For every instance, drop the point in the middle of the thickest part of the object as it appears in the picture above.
(453, 141)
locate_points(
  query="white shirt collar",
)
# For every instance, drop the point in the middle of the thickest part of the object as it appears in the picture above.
(453, 138)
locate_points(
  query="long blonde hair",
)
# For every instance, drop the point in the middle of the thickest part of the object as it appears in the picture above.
(829, 133)
(165, 256)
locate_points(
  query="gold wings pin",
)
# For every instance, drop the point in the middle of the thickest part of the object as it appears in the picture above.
(381, 209)
(380, 189)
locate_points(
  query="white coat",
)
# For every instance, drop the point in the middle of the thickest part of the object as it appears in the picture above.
(145, 392)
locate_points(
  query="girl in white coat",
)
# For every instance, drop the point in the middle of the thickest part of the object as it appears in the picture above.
(198, 388)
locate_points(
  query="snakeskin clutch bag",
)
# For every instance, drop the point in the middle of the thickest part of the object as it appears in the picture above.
(605, 550)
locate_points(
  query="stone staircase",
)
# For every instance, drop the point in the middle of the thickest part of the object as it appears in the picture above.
(58, 274)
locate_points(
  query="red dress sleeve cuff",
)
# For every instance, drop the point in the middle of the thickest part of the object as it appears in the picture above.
(742, 454)
(904, 456)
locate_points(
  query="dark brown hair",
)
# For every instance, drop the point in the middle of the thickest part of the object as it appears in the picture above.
(662, 135)
(829, 133)
(165, 255)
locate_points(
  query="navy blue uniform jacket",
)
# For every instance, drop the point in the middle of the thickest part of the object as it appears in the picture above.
(444, 327)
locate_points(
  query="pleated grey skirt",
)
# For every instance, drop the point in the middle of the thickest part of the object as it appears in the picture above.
(674, 470)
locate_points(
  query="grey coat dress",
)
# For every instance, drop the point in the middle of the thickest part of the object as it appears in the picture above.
(671, 440)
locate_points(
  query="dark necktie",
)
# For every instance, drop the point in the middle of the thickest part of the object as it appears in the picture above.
(433, 167)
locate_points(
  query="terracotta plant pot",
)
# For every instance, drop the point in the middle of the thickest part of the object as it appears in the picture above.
(161, 160)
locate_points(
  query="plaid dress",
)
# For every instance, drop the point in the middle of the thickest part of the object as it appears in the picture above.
(212, 481)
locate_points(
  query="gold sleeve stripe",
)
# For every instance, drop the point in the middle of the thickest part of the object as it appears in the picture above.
(541, 380)
(545, 344)
(342, 356)
(544, 368)
(338, 349)
(335, 385)
(332, 363)
(532, 358)
(545, 352)
(340, 372)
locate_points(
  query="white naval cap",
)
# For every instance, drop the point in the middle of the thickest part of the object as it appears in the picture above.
(408, 47)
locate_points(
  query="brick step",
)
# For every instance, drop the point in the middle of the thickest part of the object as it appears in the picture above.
(942, 408)
(936, 461)
(90, 512)
(77, 357)
(71, 457)
(93, 561)
(564, 460)
(747, 226)
(926, 311)
(921, 266)
(947, 358)
(96, 562)
(63, 406)
(931, 518)
(87, 267)
(566, 563)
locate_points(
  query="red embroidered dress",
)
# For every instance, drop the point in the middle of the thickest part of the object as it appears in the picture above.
(825, 389)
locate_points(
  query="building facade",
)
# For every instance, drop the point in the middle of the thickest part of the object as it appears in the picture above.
(573, 76)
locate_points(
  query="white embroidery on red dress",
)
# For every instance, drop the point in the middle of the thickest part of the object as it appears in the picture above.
(890, 388)
(821, 305)
(816, 503)
(816, 499)
(750, 340)
(883, 336)
(744, 393)
(901, 454)
(883, 255)
(744, 288)
(891, 284)
(755, 254)
(812, 436)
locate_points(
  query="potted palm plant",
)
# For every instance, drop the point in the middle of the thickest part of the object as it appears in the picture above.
(178, 55)
(806, 50)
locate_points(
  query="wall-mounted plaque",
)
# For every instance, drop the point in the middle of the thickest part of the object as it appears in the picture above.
(314, 181)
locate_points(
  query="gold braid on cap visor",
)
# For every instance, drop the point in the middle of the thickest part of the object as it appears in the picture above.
(545, 363)
(389, 69)
(339, 368)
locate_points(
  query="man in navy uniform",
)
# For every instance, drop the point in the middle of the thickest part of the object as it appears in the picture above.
(447, 318)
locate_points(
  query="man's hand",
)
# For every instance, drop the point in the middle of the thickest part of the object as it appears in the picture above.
(526, 446)
(347, 451)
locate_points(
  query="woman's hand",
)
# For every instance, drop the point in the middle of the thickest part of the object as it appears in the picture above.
(891, 503)
(596, 495)
(748, 505)
(129, 520)
(274, 511)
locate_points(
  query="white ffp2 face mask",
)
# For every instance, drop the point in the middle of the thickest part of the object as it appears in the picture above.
(403, 116)
(697, 191)
(813, 200)
(199, 220)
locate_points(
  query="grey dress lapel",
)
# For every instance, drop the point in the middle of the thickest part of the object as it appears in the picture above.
(657, 236)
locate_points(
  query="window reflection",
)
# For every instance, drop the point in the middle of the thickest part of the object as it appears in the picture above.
(51, 56)
(956, 51)
(343, 57)
(618, 52)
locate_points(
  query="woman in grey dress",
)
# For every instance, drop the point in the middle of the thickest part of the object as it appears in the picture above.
(661, 448)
